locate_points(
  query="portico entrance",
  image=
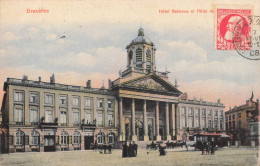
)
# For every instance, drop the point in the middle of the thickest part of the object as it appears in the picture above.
(139, 130)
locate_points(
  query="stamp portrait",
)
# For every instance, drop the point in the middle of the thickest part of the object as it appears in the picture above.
(232, 26)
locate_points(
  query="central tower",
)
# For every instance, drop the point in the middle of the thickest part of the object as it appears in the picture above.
(141, 53)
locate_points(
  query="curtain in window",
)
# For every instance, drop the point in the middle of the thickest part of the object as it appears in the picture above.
(48, 116)
(18, 115)
(76, 117)
(63, 117)
(34, 116)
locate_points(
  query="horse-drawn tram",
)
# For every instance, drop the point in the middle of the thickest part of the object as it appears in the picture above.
(219, 139)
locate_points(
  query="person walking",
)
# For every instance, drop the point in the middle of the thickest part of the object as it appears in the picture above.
(135, 147)
(125, 150)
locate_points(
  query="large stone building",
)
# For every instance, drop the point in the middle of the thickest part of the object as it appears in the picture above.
(238, 122)
(141, 105)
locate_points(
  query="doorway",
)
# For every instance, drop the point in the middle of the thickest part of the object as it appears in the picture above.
(88, 140)
(49, 143)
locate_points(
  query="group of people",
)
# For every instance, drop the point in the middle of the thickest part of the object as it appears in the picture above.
(129, 150)
(207, 147)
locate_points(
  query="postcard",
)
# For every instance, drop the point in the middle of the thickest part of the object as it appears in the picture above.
(129, 82)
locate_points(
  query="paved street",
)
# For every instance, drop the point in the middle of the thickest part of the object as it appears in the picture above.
(227, 156)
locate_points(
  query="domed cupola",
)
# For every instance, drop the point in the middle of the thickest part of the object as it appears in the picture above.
(140, 53)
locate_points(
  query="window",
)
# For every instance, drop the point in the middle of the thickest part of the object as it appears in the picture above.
(239, 124)
(88, 118)
(226, 118)
(197, 122)
(75, 101)
(190, 122)
(216, 112)
(183, 122)
(76, 138)
(48, 99)
(229, 117)
(110, 119)
(101, 138)
(209, 112)
(215, 123)
(233, 124)
(221, 124)
(148, 59)
(48, 116)
(110, 104)
(221, 113)
(19, 138)
(63, 100)
(203, 123)
(64, 138)
(63, 117)
(239, 115)
(197, 111)
(111, 138)
(34, 98)
(34, 140)
(75, 117)
(190, 111)
(100, 119)
(183, 110)
(139, 58)
(100, 103)
(34, 116)
(18, 115)
(210, 123)
(87, 102)
(233, 116)
(203, 111)
(18, 96)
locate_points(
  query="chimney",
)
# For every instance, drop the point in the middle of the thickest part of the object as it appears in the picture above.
(25, 77)
(52, 79)
(88, 84)
(40, 79)
(109, 84)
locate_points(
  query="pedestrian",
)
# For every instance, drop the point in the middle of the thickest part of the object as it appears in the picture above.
(135, 147)
(187, 147)
(109, 148)
(161, 150)
(130, 150)
(125, 150)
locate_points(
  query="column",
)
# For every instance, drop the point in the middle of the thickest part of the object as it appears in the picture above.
(158, 137)
(134, 137)
(218, 119)
(194, 117)
(146, 137)
(168, 137)
(105, 112)
(26, 108)
(200, 114)
(186, 116)
(173, 125)
(120, 134)
(212, 117)
(206, 118)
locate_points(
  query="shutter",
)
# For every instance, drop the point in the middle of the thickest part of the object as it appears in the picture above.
(30, 137)
(59, 140)
(11, 140)
(105, 139)
(70, 139)
(27, 140)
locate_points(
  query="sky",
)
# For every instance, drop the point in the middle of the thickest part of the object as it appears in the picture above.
(97, 33)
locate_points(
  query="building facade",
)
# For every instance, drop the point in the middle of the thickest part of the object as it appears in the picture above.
(238, 121)
(141, 105)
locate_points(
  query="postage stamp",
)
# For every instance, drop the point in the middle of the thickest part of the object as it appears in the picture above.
(232, 26)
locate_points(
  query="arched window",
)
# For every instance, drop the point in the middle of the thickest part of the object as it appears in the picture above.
(19, 138)
(139, 58)
(148, 59)
(111, 138)
(76, 137)
(34, 140)
(101, 138)
(130, 57)
(64, 138)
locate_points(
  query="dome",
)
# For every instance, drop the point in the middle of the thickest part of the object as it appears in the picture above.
(140, 39)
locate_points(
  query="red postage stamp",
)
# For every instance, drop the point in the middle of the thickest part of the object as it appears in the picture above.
(233, 29)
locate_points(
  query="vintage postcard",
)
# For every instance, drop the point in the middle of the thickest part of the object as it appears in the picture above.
(129, 82)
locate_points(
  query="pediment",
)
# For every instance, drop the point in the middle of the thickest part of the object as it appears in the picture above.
(150, 82)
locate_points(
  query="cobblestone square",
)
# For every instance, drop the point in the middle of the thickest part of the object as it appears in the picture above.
(228, 156)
